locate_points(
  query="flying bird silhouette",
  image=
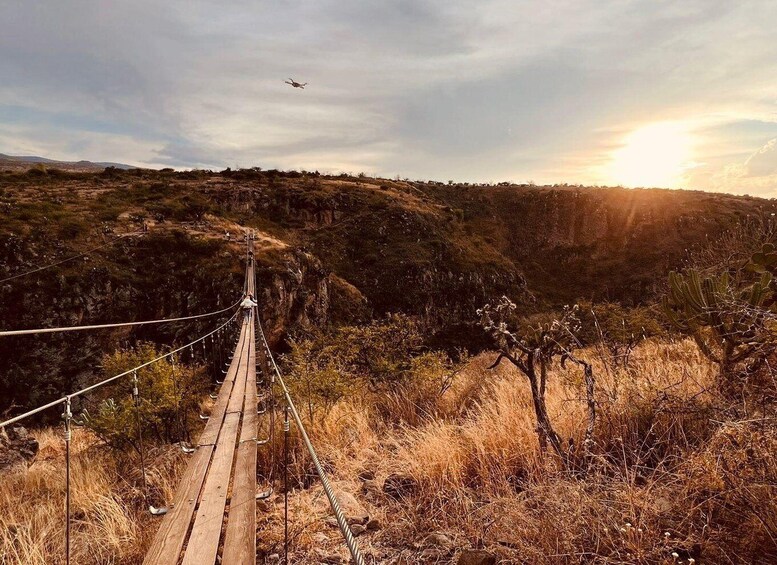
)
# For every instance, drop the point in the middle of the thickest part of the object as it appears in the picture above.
(296, 84)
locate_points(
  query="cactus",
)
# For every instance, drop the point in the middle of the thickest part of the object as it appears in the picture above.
(764, 260)
(727, 316)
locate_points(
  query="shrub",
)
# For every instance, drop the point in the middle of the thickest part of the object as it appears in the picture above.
(169, 396)
(384, 359)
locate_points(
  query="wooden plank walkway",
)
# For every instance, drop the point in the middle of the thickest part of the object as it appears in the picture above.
(219, 483)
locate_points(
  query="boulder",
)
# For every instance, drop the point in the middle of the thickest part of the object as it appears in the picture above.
(398, 486)
(360, 519)
(17, 447)
(476, 557)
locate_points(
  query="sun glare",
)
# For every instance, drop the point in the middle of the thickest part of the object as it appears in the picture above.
(657, 155)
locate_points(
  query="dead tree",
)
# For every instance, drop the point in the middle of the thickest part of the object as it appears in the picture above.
(532, 350)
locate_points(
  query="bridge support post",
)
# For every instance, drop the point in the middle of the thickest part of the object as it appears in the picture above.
(286, 486)
(67, 416)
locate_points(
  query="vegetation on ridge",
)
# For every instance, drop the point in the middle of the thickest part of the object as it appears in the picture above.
(613, 434)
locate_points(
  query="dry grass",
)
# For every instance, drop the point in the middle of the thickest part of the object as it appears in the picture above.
(481, 479)
(110, 524)
(674, 477)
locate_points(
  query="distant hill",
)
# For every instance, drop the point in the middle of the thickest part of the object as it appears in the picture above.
(24, 162)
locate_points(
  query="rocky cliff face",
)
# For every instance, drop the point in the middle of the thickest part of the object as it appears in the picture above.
(161, 275)
(335, 250)
(293, 294)
(616, 244)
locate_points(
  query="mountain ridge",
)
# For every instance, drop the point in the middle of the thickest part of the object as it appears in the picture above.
(19, 161)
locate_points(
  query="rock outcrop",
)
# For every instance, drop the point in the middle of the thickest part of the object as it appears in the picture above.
(17, 448)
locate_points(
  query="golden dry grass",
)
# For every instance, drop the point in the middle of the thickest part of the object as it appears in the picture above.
(675, 476)
(109, 525)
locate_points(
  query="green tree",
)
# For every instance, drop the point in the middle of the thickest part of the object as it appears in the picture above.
(385, 356)
(169, 395)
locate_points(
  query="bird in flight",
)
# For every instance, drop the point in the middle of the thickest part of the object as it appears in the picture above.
(296, 84)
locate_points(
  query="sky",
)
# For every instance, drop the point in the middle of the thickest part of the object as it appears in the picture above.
(638, 93)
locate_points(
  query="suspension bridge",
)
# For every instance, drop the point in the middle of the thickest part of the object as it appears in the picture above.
(212, 518)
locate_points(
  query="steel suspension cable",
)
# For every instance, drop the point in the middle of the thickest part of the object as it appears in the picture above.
(66, 399)
(342, 522)
(139, 425)
(116, 325)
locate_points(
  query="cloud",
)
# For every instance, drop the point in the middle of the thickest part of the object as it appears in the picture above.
(764, 161)
(469, 90)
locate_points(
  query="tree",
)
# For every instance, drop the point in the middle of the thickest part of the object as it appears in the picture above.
(532, 349)
(616, 329)
(383, 358)
(169, 397)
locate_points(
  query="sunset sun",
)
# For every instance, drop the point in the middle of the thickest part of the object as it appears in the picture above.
(656, 155)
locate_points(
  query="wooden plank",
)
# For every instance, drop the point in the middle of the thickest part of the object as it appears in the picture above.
(206, 532)
(236, 399)
(204, 540)
(205, 484)
(169, 539)
(240, 539)
(248, 429)
(212, 428)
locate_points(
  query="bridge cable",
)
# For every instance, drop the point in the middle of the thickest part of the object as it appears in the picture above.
(141, 447)
(115, 325)
(66, 399)
(87, 252)
(286, 487)
(342, 522)
(67, 416)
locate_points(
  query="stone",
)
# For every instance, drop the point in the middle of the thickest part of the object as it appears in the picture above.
(360, 519)
(370, 487)
(437, 539)
(373, 525)
(476, 557)
(358, 529)
(398, 486)
(430, 555)
(17, 447)
(349, 504)
(328, 558)
(331, 521)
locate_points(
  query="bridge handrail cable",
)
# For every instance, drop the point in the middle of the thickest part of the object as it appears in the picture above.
(342, 522)
(109, 380)
(36, 331)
